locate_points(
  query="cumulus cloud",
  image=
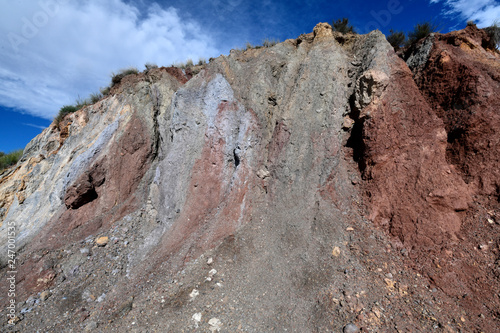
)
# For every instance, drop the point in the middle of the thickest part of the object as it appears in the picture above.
(483, 12)
(53, 51)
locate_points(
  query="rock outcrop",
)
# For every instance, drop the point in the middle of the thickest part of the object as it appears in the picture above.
(300, 187)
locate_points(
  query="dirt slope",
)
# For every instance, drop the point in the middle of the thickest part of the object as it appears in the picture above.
(305, 187)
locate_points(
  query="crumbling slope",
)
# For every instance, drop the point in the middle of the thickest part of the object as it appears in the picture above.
(294, 188)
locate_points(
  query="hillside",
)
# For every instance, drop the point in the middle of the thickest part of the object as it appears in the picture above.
(318, 185)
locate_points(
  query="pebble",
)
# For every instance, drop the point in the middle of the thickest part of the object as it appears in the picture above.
(91, 326)
(45, 295)
(197, 318)
(102, 241)
(215, 324)
(101, 298)
(210, 261)
(194, 293)
(336, 251)
(351, 328)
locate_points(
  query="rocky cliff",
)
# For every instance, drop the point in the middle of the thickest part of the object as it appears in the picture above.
(303, 187)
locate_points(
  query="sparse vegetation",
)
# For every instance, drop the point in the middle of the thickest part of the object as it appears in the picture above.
(397, 39)
(470, 22)
(80, 103)
(248, 46)
(202, 61)
(150, 65)
(343, 26)
(183, 65)
(7, 160)
(421, 30)
(105, 91)
(65, 110)
(95, 97)
(270, 42)
(494, 34)
(117, 78)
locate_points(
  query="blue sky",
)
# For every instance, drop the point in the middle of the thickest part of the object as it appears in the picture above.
(54, 51)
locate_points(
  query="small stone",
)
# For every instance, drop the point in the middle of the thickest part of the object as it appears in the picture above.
(336, 251)
(45, 295)
(212, 272)
(348, 123)
(14, 320)
(102, 241)
(483, 247)
(210, 261)
(350, 229)
(351, 328)
(263, 174)
(490, 221)
(194, 293)
(197, 318)
(390, 283)
(91, 326)
(215, 324)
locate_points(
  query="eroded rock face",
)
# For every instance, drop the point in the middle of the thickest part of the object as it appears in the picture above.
(283, 188)
(462, 83)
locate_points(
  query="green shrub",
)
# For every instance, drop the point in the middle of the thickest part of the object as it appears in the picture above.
(95, 97)
(65, 110)
(105, 91)
(202, 61)
(421, 30)
(396, 38)
(117, 78)
(82, 102)
(343, 26)
(7, 160)
(494, 34)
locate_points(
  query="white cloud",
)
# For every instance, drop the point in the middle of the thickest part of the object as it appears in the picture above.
(54, 50)
(483, 12)
(35, 126)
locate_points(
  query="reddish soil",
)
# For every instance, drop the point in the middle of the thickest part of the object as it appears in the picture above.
(449, 231)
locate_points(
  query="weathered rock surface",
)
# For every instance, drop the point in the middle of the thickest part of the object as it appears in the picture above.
(306, 187)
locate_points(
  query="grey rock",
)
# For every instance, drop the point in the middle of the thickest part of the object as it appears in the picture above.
(351, 328)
